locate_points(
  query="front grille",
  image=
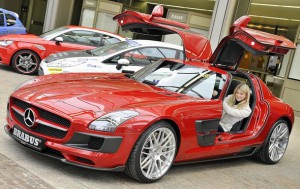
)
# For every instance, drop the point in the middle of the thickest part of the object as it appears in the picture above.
(21, 104)
(43, 113)
(54, 118)
(49, 131)
(95, 143)
(41, 129)
(19, 117)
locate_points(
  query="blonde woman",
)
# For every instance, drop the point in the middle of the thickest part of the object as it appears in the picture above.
(235, 107)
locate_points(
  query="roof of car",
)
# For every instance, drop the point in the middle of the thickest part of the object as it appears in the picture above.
(89, 28)
(8, 11)
(157, 43)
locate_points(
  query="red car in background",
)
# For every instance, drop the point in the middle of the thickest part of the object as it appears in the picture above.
(24, 52)
(166, 113)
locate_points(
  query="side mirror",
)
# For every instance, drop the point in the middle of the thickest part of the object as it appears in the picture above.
(58, 40)
(122, 62)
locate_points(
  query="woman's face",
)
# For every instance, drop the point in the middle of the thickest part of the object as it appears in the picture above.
(239, 95)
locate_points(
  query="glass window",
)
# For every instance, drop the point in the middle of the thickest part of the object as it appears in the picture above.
(51, 32)
(168, 53)
(152, 53)
(210, 88)
(10, 20)
(83, 37)
(1, 19)
(294, 71)
(193, 81)
(106, 40)
(105, 21)
(87, 17)
(136, 57)
(113, 48)
(271, 69)
(181, 56)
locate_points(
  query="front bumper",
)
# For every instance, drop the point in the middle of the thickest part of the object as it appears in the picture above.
(45, 70)
(5, 56)
(76, 152)
(40, 71)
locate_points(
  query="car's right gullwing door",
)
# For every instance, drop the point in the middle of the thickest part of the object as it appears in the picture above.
(230, 50)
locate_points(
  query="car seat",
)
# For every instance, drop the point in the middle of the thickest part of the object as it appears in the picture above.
(240, 125)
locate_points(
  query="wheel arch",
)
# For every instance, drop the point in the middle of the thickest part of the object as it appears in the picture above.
(176, 128)
(12, 57)
(289, 122)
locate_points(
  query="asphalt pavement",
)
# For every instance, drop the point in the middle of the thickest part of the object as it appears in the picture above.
(21, 168)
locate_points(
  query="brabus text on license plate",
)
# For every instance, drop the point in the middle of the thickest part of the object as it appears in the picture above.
(27, 139)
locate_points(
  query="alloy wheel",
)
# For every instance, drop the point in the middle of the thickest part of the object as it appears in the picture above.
(278, 142)
(157, 153)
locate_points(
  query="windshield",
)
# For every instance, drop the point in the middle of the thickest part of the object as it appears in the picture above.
(181, 78)
(113, 48)
(51, 32)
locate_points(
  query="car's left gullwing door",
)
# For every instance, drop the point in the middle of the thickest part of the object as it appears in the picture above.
(196, 46)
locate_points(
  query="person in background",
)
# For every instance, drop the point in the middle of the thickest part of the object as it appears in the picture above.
(235, 107)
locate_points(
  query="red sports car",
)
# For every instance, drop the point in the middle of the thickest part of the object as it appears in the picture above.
(166, 113)
(24, 52)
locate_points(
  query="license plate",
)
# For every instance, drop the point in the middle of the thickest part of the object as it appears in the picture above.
(55, 70)
(28, 139)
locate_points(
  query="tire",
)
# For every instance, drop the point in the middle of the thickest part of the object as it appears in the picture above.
(153, 154)
(276, 144)
(26, 62)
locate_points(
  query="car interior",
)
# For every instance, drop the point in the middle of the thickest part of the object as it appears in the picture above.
(237, 78)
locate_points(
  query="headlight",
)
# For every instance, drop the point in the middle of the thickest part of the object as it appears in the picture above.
(25, 83)
(109, 122)
(5, 43)
(64, 63)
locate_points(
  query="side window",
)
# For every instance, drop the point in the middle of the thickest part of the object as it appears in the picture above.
(113, 59)
(106, 40)
(83, 37)
(180, 55)
(219, 84)
(208, 87)
(10, 20)
(168, 53)
(136, 57)
(68, 37)
(152, 54)
(1, 19)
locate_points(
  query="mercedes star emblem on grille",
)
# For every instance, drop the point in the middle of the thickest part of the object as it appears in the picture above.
(29, 117)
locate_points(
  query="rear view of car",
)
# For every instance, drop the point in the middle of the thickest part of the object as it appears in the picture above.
(10, 23)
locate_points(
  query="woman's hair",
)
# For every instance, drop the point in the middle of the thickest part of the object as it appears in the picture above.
(245, 89)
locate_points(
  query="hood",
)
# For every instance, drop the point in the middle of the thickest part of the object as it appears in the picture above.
(67, 54)
(231, 49)
(92, 94)
(22, 37)
(196, 46)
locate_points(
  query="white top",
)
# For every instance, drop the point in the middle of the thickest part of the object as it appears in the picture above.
(231, 114)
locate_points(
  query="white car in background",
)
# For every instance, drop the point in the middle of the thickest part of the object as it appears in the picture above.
(129, 55)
